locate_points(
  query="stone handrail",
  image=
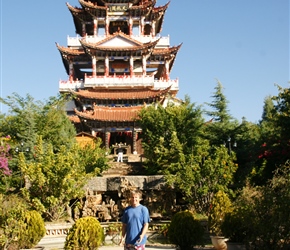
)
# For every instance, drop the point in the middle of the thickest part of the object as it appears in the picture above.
(57, 229)
(61, 229)
(115, 81)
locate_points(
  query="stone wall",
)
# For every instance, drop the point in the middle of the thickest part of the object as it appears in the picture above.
(107, 197)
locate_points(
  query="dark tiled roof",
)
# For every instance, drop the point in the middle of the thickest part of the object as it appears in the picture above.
(74, 119)
(125, 94)
(119, 114)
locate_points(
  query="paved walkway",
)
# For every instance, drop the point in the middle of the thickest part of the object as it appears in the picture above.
(56, 243)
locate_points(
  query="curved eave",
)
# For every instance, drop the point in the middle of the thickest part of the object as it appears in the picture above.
(121, 94)
(78, 13)
(110, 114)
(146, 6)
(164, 52)
(79, 16)
(160, 13)
(69, 51)
(74, 9)
(74, 118)
(173, 60)
(90, 5)
(161, 8)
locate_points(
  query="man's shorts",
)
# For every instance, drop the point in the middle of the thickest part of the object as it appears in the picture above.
(133, 247)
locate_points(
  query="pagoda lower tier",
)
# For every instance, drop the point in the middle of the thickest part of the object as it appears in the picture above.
(112, 114)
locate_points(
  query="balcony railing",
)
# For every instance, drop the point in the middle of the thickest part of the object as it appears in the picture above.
(116, 81)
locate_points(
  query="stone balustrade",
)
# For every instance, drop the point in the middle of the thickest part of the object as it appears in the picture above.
(118, 81)
(57, 229)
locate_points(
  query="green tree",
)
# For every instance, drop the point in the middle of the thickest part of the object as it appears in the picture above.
(169, 159)
(93, 157)
(275, 136)
(206, 171)
(175, 145)
(53, 124)
(219, 105)
(248, 138)
(169, 132)
(53, 179)
(29, 119)
(20, 123)
(222, 125)
(268, 110)
(267, 137)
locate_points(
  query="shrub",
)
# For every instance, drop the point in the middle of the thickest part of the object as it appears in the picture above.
(235, 226)
(271, 210)
(33, 230)
(86, 234)
(12, 210)
(221, 205)
(185, 231)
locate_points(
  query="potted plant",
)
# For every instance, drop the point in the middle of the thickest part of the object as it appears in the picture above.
(221, 205)
(185, 230)
(114, 228)
(240, 224)
(235, 228)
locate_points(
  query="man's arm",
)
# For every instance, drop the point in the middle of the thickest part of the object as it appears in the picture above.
(122, 242)
(144, 231)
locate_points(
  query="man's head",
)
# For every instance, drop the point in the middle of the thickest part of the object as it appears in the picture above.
(135, 197)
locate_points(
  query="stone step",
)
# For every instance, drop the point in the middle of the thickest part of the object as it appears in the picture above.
(125, 168)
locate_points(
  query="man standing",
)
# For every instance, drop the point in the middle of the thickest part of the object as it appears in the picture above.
(135, 223)
(120, 154)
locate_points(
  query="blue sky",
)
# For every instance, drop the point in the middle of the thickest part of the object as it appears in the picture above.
(242, 43)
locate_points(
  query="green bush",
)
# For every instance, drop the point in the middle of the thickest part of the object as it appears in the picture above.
(33, 230)
(86, 234)
(19, 226)
(221, 204)
(270, 220)
(185, 231)
(235, 226)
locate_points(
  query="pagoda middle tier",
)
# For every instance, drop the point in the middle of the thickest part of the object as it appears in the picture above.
(117, 63)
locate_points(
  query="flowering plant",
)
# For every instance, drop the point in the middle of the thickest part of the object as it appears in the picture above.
(4, 155)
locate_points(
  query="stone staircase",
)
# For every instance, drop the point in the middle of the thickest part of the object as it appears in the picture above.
(131, 167)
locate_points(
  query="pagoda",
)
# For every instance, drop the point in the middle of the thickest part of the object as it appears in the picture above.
(117, 64)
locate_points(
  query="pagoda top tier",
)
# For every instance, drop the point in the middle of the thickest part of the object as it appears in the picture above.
(106, 2)
(119, 13)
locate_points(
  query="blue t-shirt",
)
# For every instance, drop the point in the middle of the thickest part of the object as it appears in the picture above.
(135, 218)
